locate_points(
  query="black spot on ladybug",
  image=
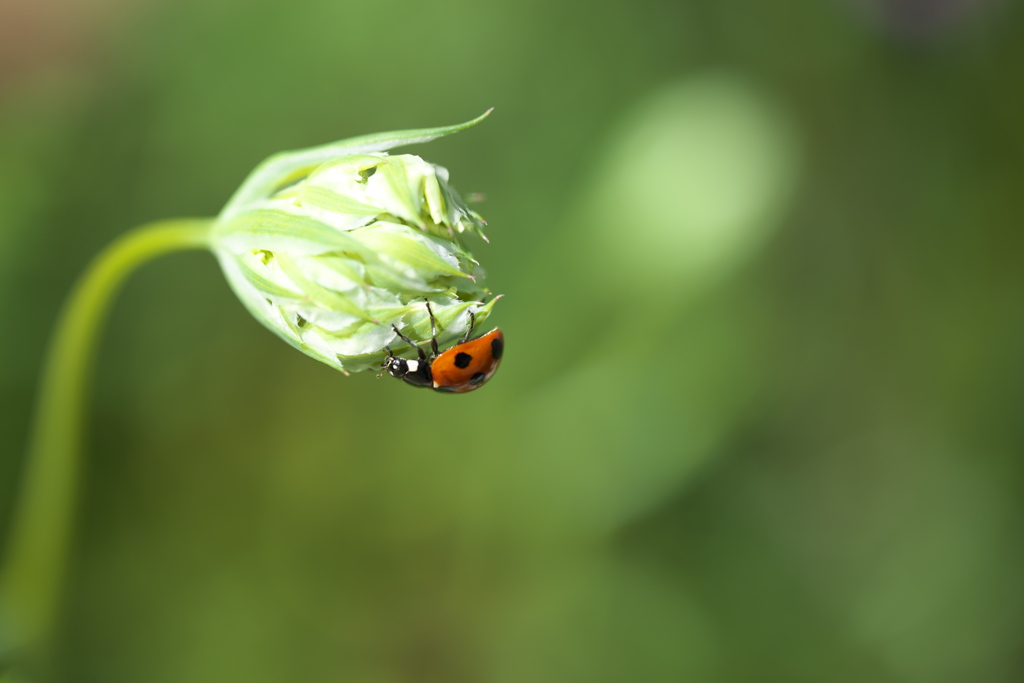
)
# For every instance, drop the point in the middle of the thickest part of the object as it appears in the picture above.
(477, 379)
(497, 348)
(462, 360)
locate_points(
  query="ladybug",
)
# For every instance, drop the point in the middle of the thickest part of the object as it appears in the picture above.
(464, 367)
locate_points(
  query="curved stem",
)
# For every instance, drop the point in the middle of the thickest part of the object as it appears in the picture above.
(37, 549)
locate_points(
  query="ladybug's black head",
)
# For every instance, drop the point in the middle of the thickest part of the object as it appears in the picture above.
(415, 372)
(396, 367)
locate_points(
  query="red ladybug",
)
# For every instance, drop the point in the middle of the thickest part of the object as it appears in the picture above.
(464, 367)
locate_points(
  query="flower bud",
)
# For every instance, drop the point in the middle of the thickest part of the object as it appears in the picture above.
(330, 247)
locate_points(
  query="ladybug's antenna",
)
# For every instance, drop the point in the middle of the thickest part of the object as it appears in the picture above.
(385, 363)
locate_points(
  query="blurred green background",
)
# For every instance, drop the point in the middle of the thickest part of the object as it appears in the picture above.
(760, 414)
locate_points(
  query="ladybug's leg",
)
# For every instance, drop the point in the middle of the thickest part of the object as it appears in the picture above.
(410, 342)
(433, 329)
(472, 322)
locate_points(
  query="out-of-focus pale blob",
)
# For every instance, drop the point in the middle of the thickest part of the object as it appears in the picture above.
(695, 177)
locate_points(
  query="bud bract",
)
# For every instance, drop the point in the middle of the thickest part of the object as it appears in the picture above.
(330, 247)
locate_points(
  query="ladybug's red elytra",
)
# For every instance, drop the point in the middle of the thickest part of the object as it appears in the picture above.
(464, 367)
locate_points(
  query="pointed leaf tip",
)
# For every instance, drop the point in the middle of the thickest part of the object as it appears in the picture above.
(279, 168)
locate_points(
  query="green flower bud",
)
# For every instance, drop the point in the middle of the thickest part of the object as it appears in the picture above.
(331, 246)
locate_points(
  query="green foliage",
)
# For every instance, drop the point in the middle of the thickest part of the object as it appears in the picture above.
(334, 247)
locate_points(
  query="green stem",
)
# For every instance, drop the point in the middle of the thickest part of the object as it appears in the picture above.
(31, 577)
